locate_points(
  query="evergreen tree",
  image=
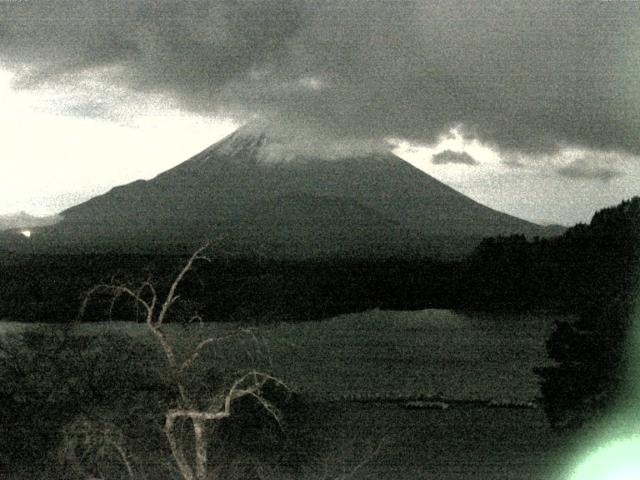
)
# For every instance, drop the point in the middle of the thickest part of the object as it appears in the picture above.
(589, 350)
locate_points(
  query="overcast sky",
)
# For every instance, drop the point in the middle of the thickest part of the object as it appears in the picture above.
(531, 107)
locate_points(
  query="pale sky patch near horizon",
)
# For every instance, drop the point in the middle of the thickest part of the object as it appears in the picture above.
(51, 161)
(536, 188)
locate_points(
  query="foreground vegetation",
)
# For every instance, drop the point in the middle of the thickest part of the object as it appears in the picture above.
(115, 369)
(84, 417)
(78, 405)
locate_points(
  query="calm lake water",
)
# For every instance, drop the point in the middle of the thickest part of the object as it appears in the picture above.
(460, 355)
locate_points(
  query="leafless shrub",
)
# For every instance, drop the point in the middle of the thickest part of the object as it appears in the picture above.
(93, 448)
(191, 458)
(197, 414)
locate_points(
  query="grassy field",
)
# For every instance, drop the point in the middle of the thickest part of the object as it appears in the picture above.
(403, 354)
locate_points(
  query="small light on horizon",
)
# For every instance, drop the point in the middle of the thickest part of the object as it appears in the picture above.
(26, 233)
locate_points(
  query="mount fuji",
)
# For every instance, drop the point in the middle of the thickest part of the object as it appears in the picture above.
(251, 194)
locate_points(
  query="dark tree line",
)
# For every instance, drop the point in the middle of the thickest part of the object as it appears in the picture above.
(49, 288)
(595, 262)
(587, 264)
(591, 352)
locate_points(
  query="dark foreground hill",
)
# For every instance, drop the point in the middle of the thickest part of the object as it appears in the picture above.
(242, 191)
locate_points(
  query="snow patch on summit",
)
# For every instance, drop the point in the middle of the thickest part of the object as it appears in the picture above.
(267, 145)
(237, 143)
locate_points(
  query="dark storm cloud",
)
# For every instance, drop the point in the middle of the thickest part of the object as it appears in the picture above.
(583, 170)
(522, 76)
(449, 156)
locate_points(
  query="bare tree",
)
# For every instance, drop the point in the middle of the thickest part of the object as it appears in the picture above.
(191, 458)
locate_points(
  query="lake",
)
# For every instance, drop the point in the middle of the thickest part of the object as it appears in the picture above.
(462, 356)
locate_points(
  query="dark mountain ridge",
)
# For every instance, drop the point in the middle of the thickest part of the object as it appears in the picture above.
(240, 191)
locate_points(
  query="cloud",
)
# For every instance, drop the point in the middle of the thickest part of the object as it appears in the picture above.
(513, 162)
(91, 109)
(582, 169)
(449, 156)
(526, 77)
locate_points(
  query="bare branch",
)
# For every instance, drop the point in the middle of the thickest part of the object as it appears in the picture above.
(270, 408)
(209, 341)
(147, 285)
(176, 449)
(97, 440)
(124, 458)
(171, 296)
(192, 465)
(237, 391)
(172, 361)
(196, 317)
(200, 443)
(114, 299)
(259, 380)
(116, 291)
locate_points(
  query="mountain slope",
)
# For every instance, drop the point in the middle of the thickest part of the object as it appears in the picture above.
(304, 206)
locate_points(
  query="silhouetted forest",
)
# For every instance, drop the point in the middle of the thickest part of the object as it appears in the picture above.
(587, 264)
(591, 351)
(50, 288)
